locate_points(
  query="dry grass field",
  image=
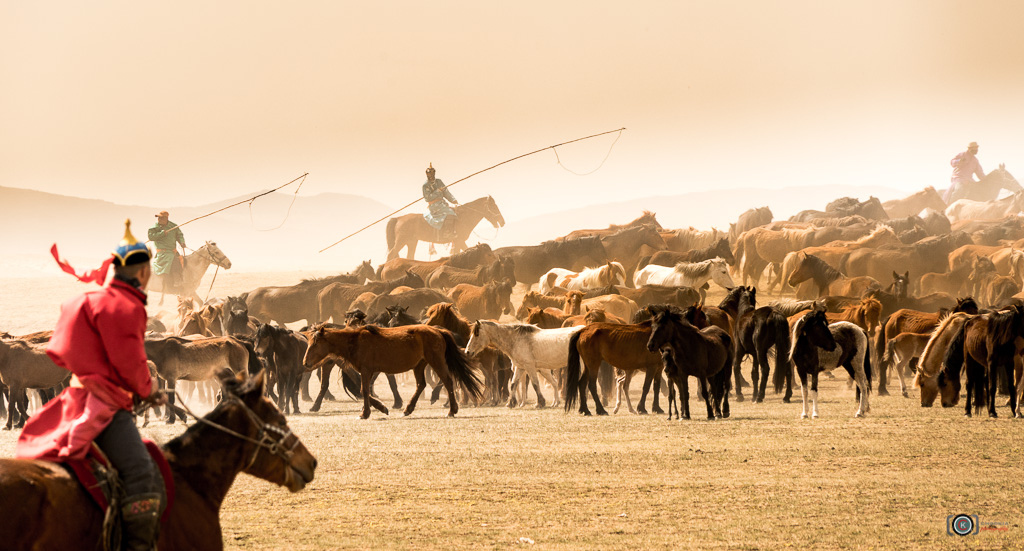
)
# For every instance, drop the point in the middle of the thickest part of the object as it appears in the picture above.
(544, 479)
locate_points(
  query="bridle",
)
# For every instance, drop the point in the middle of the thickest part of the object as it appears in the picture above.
(263, 441)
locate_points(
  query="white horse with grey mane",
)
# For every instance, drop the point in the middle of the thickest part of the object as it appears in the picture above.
(686, 274)
(533, 351)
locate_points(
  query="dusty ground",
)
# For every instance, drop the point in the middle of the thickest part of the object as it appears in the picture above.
(500, 478)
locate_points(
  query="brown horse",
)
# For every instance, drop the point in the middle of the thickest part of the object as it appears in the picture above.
(827, 279)
(45, 507)
(470, 259)
(912, 204)
(623, 346)
(408, 230)
(532, 261)
(645, 219)
(487, 302)
(178, 358)
(493, 364)
(908, 321)
(24, 366)
(291, 303)
(373, 349)
(928, 255)
(629, 245)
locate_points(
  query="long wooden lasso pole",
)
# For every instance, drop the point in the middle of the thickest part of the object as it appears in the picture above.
(386, 216)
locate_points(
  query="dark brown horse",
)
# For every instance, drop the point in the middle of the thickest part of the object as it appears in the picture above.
(702, 353)
(983, 347)
(755, 331)
(395, 350)
(408, 230)
(45, 507)
(283, 349)
(495, 366)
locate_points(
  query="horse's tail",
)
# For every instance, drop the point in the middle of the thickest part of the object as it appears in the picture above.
(572, 372)
(867, 363)
(887, 356)
(460, 366)
(390, 232)
(351, 385)
(879, 346)
(783, 375)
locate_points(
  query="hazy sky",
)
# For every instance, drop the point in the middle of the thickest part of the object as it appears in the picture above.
(187, 102)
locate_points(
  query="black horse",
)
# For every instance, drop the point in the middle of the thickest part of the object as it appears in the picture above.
(283, 350)
(983, 347)
(755, 331)
(706, 354)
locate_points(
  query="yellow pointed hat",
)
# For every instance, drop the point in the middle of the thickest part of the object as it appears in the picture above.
(130, 250)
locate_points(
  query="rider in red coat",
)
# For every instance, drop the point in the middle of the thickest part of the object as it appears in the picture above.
(100, 339)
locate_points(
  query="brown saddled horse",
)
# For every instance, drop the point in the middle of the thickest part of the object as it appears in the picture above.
(45, 507)
(373, 349)
(408, 230)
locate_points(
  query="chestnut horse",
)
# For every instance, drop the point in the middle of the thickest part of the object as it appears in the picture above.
(623, 346)
(45, 507)
(373, 349)
(408, 230)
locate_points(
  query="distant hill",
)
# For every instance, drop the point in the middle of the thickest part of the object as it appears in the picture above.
(258, 237)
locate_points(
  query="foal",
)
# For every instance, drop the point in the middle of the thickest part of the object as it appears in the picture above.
(820, 347)
(707, 353)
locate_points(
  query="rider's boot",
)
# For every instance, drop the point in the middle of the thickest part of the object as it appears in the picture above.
(140, 522)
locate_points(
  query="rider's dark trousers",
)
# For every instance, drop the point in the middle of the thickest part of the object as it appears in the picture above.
(121, 442)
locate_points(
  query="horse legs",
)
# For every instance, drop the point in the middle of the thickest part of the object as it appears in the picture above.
(325, 377)
(368, 400)
(684, 395)
(814, 394)
(737, 361)
(762, 357)
(535, 380)
(421, 383)
(513, 385)
(622, 379)
(803, 392)
(672, 399)
(592, 384)
(305, 386)
(861, 379)
(393, 383)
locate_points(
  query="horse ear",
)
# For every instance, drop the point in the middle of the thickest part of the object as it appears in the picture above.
(228, 380)
(906, 275)
(895, 275)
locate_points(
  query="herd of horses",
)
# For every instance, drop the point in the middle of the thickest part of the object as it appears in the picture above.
(914, 286)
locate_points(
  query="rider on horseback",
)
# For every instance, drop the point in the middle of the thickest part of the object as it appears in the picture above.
(441, 217)
(165, 235)
(99, 338)
(965, 166)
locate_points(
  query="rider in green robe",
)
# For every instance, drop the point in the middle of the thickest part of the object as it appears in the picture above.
(165, 235)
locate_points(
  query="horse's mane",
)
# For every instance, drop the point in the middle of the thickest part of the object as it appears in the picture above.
(798, 328)
(479, 248)
(697, 269)
(1001, 325)
(822, 268)
(877, 233)
(939, 329)
(522, 328)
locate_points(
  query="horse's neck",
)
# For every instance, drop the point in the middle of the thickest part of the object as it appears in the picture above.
(189, 456)
(470, 214)
(501, 337)
(196, 264)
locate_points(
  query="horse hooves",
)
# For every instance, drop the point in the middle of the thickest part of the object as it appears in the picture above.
(906, 394)
(540, 406)
(739, 397)
(883, 392)
(787, 399)
(602, 412)
(968, 414)
(397, 405)
(659, 411)
(641, 411)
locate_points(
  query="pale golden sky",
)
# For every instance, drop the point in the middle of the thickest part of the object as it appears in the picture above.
(183, 103)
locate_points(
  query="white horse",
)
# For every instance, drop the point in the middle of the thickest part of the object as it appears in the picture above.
(966, 209)
(196, 264)
(685, 274)
(589, 278)
(532, 350)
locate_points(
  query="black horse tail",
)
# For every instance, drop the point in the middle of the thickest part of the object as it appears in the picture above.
(460, 366)
(390, 233)
(572, 372)
(867, 364)
(953, 361)
(783, 375)
(352, 386)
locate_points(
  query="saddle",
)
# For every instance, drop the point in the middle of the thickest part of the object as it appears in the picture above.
(99, 479)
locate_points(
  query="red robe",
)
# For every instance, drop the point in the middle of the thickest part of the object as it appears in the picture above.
(100, 339)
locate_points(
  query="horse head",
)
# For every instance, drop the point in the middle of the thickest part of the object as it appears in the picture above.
(720, 273)
(365, 271)
(663, 328)
(815, 328)
(492, 213)
(246, 411)
(215, 255)
(900, 284)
